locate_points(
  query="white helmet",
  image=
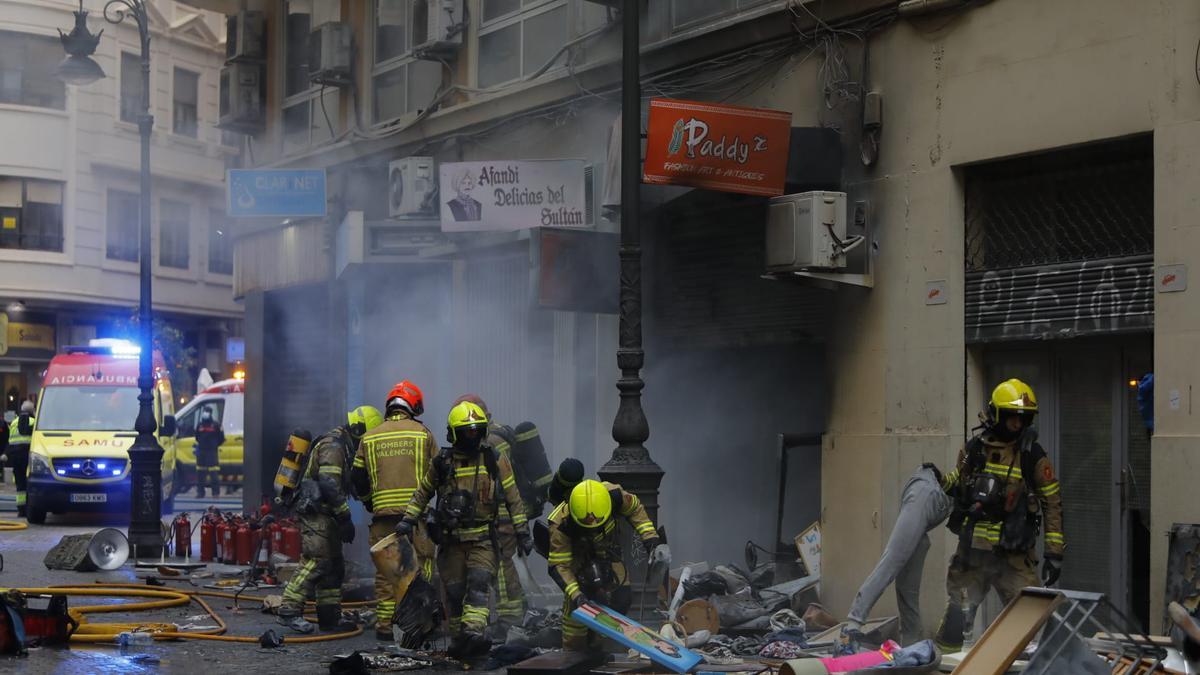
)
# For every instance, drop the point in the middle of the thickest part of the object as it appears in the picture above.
(27, 407)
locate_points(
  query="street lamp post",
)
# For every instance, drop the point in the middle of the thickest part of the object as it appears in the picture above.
(145, 456)
(631, 465)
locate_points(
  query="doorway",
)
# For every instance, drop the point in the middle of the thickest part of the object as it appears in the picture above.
(1090, 426)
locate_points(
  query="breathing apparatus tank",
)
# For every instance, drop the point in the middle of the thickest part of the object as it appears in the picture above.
(291, 466)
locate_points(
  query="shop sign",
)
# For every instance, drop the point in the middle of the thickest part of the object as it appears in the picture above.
(506, 195)
(25, 336)
(717, 147)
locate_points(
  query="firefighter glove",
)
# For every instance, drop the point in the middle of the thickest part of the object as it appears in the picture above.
(525, 543)
(1051, 570)
(578, 600)
(661, 555)
(346, 530)
(404, 528)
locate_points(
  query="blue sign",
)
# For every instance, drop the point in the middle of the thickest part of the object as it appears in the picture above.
(268, 192)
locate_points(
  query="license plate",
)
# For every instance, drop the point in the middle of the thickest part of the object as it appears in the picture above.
(89, 498)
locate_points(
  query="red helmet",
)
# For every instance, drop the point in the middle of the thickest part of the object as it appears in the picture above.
(472, 398)
(408, 396)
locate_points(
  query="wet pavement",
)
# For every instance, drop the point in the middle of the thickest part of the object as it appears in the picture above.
(24, 551)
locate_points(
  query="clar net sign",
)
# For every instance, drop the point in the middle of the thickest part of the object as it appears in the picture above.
(512, 195)
(718, 147)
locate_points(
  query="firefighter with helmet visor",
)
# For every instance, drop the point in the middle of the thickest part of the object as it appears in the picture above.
(387, 467)
(585, 551)
(471, 480)
(324, 519)
(1005, 490)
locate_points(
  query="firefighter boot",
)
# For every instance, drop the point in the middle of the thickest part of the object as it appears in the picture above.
(294, 622)
(329, 620)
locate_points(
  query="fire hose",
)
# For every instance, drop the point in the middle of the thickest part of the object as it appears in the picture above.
(12, 525)
(88, 632)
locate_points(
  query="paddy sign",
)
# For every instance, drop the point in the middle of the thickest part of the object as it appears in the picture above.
(508, 195)
(717, 147)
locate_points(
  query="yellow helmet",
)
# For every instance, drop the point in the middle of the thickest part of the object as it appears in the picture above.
(1015, 396)
(590, 504)
(465, 415)
(363, 419)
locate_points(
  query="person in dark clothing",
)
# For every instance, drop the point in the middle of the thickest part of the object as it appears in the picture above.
(209, 438)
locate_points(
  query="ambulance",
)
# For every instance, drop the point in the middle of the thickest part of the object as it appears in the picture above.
(78, 459)
(225, 400)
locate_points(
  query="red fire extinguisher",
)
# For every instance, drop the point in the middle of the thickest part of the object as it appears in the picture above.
(242, 543)
(208, 538)
(291, 541)
(275, 538)
(227, 552)
(264, 509)
(183, 536)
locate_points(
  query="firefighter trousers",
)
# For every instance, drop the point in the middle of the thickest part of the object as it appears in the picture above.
(322, 566)
(510, 596)
(619, 596)
(1007, 573)
(382, 526)
(18, 459)
(467, 569)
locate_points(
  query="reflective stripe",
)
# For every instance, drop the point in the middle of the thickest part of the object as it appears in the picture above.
(332, 470)
(359, 462)
(645, 527)
(1003, 470)
(526, 435)
(544, 480)
(468, 471)
(344, 508)
(508, 482)
(21, 499)
(559, 557)
(468, 531)
(520, 519)
(1050, 489)
(571, 589)
(1054, 537)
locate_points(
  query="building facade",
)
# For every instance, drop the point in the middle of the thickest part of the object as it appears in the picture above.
(1020, 171)
(69, 187)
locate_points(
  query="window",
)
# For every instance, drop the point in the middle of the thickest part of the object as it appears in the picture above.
(304, 120)
(401, 83)
(131, 87)
(220, 244)
(27, 65)
(516, 41)
(173, 234)
(186, 91)
(31, 214)
(122, 237)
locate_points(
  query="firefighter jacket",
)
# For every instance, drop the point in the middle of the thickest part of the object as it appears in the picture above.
(327, 467)
(501, 439)
(1029, 484)
(15, 437)
(486, 476)
(390, 460)
(572, 546)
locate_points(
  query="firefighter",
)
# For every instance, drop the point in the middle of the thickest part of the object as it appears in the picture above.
(570, 472)
(585, 551)
(209, 438)
(510, 596)
(324, 514)
(20, 435)
(1004, 490)
(389, 462)
(471, 481)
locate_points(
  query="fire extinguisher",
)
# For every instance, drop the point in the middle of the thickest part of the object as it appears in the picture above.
(291, 541)
(264, 509)
(227, 552)
(208, 538)
(183, 536)
(242, 543)
(275, 538)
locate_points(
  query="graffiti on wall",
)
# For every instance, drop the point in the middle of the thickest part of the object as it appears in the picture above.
(1093, 297)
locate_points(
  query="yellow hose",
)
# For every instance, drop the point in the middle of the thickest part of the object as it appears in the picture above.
(11, 525)
(108, 632)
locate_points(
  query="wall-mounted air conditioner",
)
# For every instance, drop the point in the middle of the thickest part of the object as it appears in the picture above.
(245, 38)
(243, 95)
(438, 27)
(330, 54)
(807, 231)
(412, 187)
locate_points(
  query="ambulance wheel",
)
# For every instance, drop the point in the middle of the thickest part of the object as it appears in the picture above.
(34, 514)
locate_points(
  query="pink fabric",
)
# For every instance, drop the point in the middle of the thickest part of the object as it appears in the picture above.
(843, 664)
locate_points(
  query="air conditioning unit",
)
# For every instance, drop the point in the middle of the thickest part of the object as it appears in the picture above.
(329, 54)
(438, 27)
(412, 187)
(245, 38)
(243, 96)
(807, 231)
